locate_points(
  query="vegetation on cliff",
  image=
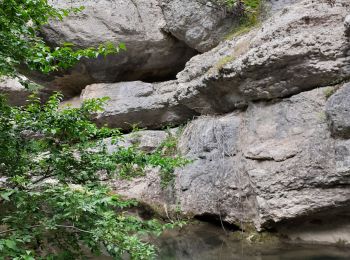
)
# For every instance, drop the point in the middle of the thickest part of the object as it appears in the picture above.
(21, 45)
(54, 162)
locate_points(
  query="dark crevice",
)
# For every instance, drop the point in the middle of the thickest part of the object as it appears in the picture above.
(216, 220)
(125, 66)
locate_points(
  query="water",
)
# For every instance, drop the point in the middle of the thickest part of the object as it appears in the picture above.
(206, 242)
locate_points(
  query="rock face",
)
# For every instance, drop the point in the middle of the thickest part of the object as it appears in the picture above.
(151, 53)
(268, 146)
(281, 164)
(144, 104)
(16, 94)
(273, 163)
(200, 24)
(158, 42)
(338, 112)
(300, 47)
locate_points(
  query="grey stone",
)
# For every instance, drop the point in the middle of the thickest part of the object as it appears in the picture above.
(277, 5)
(271, 164)
(338, 112)
(151, 53)
(301, 47)
(303, 175)
(139, 103)
(147, 141)
(200, 24)
(16, 94)
(147, 189)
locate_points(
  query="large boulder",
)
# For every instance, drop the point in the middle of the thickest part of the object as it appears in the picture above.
(200, 24)
(274, 163)
(301, 47)
(203, 24)
(151, 53)
(138, 103)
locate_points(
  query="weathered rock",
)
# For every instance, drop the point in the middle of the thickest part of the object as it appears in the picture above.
(304, 174)
(321, 228)
(151, 54)
(338, 112)
(214, 183)
(147, 141)
(347, 25)
(147, 187)
(200, 24)
(143, 104)
(277, 5)
(15, 92)
(299, 48)
(273, 163)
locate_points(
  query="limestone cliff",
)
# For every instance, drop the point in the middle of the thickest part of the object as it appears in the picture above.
(266, 111)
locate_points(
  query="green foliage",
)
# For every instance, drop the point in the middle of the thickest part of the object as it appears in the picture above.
(328, 92)
(248, 12)
(21, 44)
(247, 4)
(52, 196)
(167, 158)
(223, 61)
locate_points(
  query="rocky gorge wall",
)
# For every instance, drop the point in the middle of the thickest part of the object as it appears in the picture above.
(265, 112)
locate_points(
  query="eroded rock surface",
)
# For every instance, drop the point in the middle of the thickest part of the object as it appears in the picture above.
(275, 162)
(139, 103)
(338, 112)
(200, 24)
(268, 147)
(151, 53)
(347, 25)
(301, 47)
(16, 93)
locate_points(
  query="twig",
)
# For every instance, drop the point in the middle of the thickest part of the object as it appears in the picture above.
(61, 226)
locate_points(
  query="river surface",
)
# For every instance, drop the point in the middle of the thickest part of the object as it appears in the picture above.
(207, 242)
(204, 241)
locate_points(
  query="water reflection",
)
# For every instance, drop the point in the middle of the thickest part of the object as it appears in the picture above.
(206, 242)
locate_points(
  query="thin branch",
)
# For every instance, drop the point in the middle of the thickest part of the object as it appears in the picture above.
(60, 226)
(73, 227)
(10, 230)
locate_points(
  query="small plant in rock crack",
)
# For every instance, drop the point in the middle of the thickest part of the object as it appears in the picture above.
(52, 199)
(167, 158)
(248, 12)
